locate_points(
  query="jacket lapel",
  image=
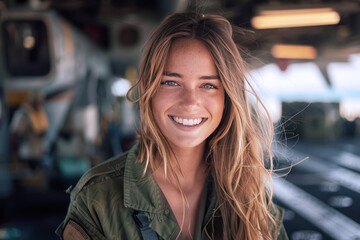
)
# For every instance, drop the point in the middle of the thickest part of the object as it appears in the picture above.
(141, 193)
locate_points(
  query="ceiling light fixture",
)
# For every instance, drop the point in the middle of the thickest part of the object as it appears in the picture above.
(269, 19)
(285, 51)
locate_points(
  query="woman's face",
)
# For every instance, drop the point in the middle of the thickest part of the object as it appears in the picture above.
(189, 103)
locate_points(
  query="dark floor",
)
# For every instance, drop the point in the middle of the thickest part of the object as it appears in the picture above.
(321, 195)
(33, 214)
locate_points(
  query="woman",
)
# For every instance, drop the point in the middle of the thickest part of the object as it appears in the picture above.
(197, 171)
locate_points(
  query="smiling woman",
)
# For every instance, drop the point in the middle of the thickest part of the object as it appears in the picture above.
(189, 103)
(197, 171)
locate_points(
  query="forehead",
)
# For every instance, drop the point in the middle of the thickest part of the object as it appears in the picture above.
(190, 54)
(188, 44)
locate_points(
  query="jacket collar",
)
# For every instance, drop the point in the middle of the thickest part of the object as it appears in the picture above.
(142, 193)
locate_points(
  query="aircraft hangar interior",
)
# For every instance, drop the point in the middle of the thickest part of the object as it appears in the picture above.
(66, 66)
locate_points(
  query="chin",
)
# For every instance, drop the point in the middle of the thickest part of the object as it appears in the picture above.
(187, 144)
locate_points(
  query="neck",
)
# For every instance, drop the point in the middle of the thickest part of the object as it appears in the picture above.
(191, 163)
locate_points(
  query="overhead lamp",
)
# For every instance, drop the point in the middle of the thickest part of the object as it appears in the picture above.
(269, 19)
(285, 51)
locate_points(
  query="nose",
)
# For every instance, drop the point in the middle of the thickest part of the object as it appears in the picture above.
(189, 98)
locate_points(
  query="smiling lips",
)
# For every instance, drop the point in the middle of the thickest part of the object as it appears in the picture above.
(187, 121)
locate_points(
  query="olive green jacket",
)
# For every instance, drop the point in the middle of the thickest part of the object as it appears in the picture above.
(105, 199)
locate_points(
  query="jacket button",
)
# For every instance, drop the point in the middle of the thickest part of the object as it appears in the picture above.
(167, 211)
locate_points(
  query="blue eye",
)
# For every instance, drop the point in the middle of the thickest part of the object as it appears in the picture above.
(169, 83)
(209, 86)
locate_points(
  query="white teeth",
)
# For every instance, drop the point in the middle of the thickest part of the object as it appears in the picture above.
(188, 122)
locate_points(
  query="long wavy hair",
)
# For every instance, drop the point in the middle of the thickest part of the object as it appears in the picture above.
(237, 150)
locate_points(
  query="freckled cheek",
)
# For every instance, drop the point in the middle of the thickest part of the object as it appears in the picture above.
(216, 105)
(158, 113)
(161, 102)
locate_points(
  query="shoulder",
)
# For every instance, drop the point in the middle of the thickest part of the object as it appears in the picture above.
(109, 170)
(97, 202)
(278, 214)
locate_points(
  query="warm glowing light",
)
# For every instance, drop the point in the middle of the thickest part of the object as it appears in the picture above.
(29, 42)
(293, 51)
(294, 11)
(295, 18)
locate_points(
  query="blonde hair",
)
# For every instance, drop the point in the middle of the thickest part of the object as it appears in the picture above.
(237, 149)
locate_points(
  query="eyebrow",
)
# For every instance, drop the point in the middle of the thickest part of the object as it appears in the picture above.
(171, 74)
(178, 75)
(211, 77)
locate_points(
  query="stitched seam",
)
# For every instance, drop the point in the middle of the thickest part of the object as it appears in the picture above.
(79, 229)
(101, 179)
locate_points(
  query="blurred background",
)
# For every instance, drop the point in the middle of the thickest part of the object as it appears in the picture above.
(66, 65)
